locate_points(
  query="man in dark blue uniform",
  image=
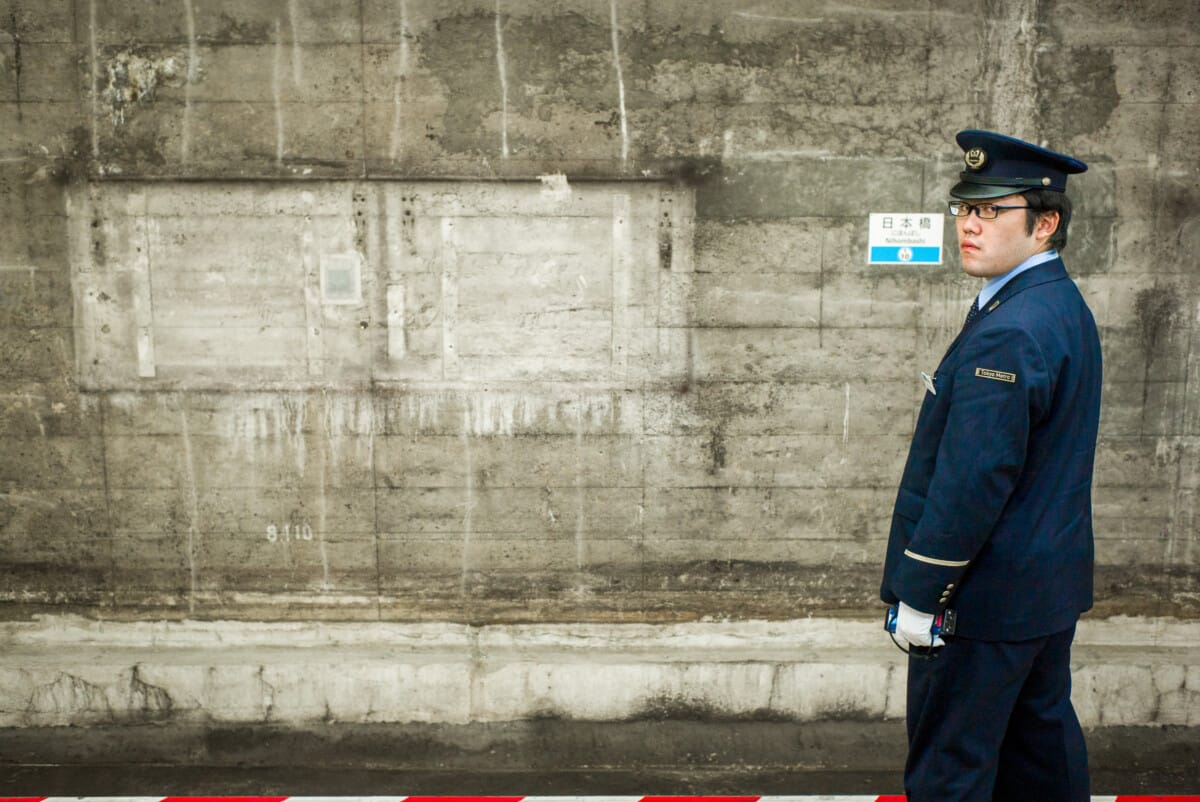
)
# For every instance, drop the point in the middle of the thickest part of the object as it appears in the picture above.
(993, 517)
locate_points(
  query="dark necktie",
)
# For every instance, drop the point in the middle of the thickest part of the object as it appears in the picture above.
(973, 313)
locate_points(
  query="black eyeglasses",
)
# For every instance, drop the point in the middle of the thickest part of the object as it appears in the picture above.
(985, 211)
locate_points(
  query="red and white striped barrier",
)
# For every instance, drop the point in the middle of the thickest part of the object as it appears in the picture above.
(888, 798)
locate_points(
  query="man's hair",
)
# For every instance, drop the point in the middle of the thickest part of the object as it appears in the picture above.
(1046, 200)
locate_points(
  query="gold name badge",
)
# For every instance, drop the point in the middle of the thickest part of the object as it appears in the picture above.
(996, 375)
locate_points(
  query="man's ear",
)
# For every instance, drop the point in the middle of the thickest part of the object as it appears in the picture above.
(1047, 224)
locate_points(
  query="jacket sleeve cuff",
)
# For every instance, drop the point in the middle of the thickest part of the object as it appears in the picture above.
(927, 583)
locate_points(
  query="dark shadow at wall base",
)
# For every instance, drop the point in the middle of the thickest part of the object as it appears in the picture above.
(548, 757)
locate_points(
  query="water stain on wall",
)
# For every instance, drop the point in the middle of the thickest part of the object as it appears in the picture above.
(1077, 90)
(1158, 311)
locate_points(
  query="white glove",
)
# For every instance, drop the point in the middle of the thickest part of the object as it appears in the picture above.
(914, 626)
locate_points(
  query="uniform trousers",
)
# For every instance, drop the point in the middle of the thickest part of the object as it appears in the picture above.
(993, 721)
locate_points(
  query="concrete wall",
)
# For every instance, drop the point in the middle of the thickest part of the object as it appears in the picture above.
(72, 672)
(478, 312)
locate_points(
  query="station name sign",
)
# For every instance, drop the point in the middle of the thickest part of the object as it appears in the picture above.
(902, 238)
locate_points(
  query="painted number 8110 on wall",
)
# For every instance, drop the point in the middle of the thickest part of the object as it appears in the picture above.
(290, 532)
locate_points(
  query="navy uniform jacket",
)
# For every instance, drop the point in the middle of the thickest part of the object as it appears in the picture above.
(994, 514)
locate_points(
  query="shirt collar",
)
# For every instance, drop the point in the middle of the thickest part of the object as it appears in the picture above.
(996, 283)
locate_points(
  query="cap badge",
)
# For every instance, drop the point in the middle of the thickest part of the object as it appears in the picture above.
(975, 158)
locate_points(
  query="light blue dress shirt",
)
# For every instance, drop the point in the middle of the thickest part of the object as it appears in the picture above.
(996, 283)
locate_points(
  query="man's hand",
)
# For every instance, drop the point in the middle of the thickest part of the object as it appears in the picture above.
(914, 627)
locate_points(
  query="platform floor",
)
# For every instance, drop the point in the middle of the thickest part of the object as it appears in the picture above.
(532, 760)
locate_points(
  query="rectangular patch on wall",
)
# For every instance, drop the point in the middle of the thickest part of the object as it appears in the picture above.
(996, 375)
(233, 285)
(341, 281)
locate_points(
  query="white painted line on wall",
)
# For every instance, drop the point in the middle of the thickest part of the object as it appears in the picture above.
(620, 82)
(277, 92)
(145, 351)
(401, 77)
(397, 346)
(503, 83)
(394, 146)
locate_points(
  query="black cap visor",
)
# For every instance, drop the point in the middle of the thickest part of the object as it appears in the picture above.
(971, 191)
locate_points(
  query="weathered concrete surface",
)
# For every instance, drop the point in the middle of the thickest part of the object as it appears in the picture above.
(472, 314)
(443, 388)
(736, 707)
(72, 672)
